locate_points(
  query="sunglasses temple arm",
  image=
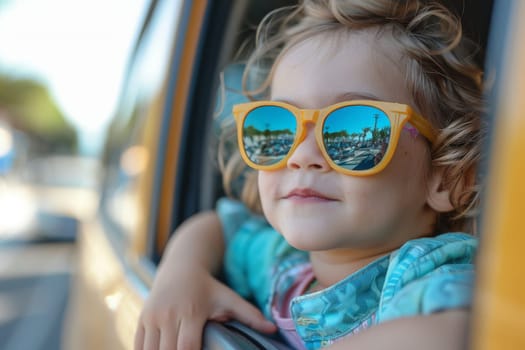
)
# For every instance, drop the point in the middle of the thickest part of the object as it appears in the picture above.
(424, 127)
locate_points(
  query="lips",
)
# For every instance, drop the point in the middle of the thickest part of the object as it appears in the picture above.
(307, 193)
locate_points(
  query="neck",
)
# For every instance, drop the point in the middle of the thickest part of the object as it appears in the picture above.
(332, 266)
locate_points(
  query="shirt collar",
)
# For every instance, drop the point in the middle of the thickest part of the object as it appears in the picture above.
(342, 307)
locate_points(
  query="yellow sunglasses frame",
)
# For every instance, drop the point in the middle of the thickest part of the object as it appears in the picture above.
(398, 114)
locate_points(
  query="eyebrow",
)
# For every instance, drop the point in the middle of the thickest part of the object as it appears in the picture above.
(349, 96)
(346, 96)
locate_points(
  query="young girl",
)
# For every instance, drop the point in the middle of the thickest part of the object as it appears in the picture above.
(365, 142)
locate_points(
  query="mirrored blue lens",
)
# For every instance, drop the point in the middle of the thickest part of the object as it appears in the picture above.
(268, 134)
(356, 137)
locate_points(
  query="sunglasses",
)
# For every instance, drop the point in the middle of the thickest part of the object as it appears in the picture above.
(355, 137)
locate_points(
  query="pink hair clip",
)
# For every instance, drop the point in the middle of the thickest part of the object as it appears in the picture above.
(411, 129)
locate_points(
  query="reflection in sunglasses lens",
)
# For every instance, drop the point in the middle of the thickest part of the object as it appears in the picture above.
(268, 134)
(356, 137)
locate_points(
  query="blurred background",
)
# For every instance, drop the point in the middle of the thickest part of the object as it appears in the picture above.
(62, 64)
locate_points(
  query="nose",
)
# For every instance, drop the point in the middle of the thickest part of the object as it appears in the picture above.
(307, 155)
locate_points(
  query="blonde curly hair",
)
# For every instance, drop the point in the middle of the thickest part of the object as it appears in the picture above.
(441, 76)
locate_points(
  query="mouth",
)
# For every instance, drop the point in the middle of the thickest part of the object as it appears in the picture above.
(307, 194)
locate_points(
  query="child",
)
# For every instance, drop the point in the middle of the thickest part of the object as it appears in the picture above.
(365, 142)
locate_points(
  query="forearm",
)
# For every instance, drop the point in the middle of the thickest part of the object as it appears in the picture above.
(444, 330)
(198, 242)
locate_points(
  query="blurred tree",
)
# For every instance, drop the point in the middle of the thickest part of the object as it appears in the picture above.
(31, 109)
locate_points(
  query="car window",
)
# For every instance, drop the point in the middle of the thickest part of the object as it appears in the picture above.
(227, 28)
(130, 148)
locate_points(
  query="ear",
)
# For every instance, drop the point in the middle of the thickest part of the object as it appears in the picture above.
(438, 198)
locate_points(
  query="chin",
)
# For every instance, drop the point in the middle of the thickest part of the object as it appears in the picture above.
(311, 245)
(305, 237)
(303, 245)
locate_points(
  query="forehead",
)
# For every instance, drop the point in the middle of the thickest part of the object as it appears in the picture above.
(329, 67)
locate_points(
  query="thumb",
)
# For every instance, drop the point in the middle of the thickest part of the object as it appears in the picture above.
(247, 313)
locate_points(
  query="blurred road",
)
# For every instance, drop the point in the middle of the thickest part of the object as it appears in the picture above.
(34, 289)
(41, 206)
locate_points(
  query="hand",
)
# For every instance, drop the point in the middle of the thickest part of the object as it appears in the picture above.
(178, 307)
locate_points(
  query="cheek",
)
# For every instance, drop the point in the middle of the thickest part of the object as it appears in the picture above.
(266, 181)
(268, 191)
(402, 182)
(262, 182)
(410, 165)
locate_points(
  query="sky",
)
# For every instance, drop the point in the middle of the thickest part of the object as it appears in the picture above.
(362, 116)
(79, 49)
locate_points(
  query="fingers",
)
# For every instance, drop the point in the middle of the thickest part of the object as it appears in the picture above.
(167, 332)
(179, 325)
(252, 317)
(190, 334)
(186, 334)
(168, 338)
(245, 312)
(156, 333)
(151, 339)
(139, 336)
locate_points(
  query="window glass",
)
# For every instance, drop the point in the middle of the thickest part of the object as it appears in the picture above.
(130, 148)
(60, 72)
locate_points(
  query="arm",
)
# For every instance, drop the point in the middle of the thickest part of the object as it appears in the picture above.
(185, 293)
(198, 240)
(443, 330)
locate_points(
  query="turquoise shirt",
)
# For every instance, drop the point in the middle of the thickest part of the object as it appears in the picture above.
(423, 276)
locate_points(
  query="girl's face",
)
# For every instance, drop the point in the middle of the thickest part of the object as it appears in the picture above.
(317, 208)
